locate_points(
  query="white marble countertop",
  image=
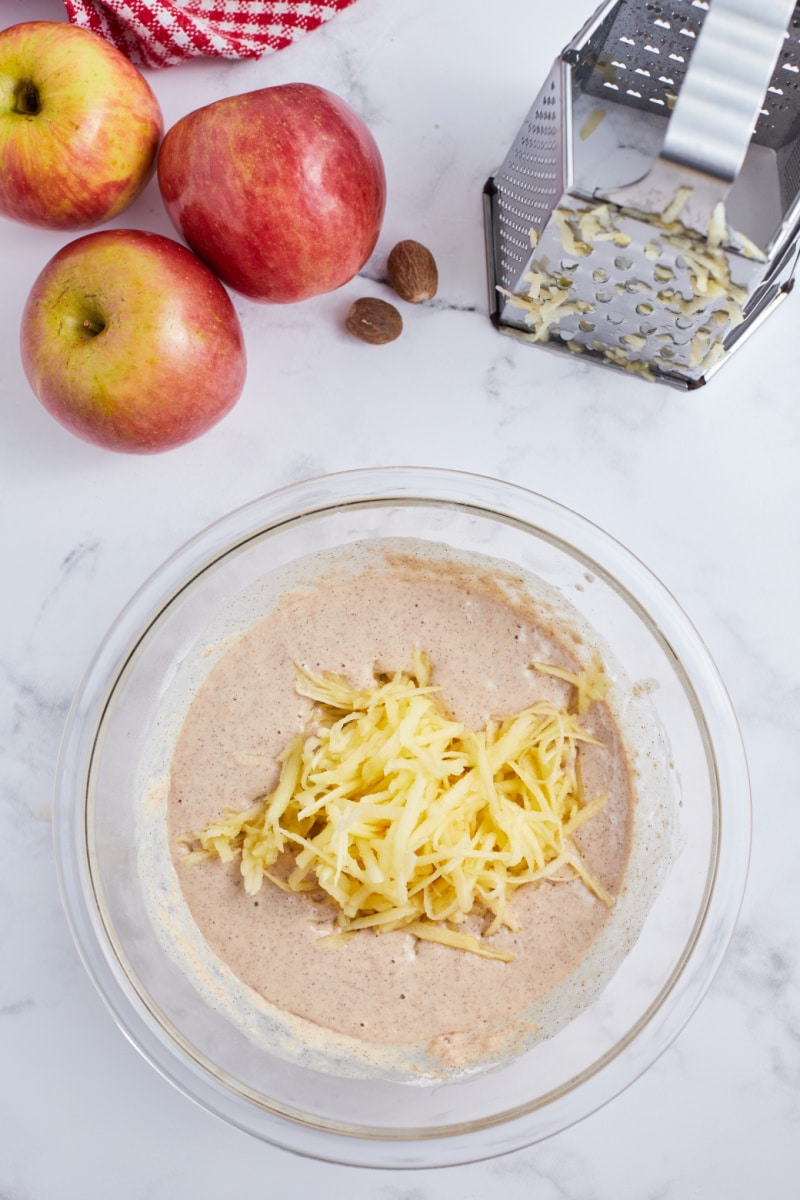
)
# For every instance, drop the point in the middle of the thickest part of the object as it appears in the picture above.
(703, 487)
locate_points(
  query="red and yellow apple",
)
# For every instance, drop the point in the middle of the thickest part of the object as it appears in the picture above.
(281, 191)
(131, 342)
(79, 127)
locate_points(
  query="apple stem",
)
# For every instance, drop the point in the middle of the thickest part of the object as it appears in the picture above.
(93, 327)
(27, 98)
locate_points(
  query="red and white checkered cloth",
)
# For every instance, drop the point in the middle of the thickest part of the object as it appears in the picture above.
(160, 33)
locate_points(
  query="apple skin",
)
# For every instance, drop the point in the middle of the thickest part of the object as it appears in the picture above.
(281, 191)
(131, 342)
(79, 127)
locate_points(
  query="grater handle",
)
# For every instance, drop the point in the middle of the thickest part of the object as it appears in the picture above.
(712, 123)
(722, 94)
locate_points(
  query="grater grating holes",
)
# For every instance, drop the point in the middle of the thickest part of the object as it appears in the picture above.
(775, 126)
(530, 184)
(791, 170)
(645, 56)
(620, 291)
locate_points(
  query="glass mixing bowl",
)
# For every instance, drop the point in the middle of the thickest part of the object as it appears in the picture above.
(375, 1121)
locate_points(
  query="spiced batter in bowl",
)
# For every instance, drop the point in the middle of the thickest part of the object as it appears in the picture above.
(381, 1048)
(359, 614)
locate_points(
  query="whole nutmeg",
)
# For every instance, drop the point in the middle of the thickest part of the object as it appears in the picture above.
(374, 321)
(412, 271)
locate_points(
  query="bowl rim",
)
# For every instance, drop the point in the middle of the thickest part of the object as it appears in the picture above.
(712, 930)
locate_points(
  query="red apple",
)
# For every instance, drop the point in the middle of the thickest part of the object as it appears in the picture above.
(79, 127)
(131, 342)
(281, 191)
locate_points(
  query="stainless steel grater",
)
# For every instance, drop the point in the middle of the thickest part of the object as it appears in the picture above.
(647, 215)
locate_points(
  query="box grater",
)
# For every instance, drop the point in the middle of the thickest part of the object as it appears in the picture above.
(647, 214)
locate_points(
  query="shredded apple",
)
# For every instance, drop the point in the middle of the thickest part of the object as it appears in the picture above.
(409, 820)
